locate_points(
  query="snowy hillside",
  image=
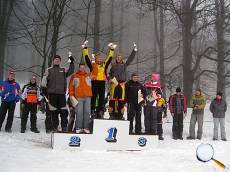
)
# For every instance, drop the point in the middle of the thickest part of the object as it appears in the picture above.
(32, 152)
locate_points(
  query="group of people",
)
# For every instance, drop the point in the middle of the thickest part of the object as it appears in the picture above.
(86, 98)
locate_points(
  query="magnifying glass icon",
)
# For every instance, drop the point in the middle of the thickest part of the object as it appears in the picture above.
(205, 153)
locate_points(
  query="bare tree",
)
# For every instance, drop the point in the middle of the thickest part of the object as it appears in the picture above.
(97, 25)
(219, 23)
(6, 7)
(42, 29)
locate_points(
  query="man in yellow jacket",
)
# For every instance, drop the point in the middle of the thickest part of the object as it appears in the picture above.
(98, 67)
(80, 96)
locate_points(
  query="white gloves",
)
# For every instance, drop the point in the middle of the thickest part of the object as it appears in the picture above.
(112, 46)
(114, 80)
(134, 46)
(69, 55)
(73, 101)
(93, 58)
(85, 44)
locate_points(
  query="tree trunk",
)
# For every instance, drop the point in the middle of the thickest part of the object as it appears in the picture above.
(161, 48)
(5, 13)
(220, 18)
(160, 40)
(57, 20)
(188, 75)
(97, 26)
(121, 28)
(112, 21)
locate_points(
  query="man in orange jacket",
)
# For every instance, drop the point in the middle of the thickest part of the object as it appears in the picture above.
(80, 96)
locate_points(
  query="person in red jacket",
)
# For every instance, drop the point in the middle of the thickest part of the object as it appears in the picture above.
(178, 109)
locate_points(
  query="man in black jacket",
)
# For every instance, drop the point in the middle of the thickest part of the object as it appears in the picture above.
(55, 82)
(133, 94)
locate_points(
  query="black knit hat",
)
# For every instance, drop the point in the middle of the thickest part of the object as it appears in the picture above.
(219, 93)
(178, 89)
(57, 56)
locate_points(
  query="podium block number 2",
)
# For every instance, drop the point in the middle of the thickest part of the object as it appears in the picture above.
(75, 141)
(112, 133)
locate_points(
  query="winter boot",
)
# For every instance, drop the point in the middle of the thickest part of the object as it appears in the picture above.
(190, 138)
(35, 130)
(160, 138)
(8, 130)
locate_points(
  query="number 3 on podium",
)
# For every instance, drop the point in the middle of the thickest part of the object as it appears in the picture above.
(112, 133)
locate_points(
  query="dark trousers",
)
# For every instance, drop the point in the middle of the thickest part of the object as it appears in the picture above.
(48, 120)
(10, 107)
(71, 120)
(159, 124)
(116, 111)
(177, 128)
(134, 111)
(98, 89)
(150, 114)
(57, 105)
(32, 109)
(117, 102)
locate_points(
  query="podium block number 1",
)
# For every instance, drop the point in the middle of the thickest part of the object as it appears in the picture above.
(112, 133)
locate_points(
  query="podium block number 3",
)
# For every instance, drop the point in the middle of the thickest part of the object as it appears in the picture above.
(112, 133)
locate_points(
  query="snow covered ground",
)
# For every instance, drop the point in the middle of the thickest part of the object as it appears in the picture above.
(32, 152)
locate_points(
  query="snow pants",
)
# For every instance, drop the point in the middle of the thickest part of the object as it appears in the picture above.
(10, 107)
(134, 111)
(57, 105)
(29, 108)
(150, 116)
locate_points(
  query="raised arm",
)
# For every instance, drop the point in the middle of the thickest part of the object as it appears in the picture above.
(70, 70)
(109, 57)
(85, 54)
(132, 55)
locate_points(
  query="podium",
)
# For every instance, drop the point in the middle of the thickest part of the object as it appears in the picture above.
(109, 135)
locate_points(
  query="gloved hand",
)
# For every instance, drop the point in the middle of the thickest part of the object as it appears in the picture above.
(39, 103)
(71, 59)
(6, 95)
(85, 44)
(23, 101)
(134, 46)
(112, 46)
(93, 58)
(172, 114)
(185, 114)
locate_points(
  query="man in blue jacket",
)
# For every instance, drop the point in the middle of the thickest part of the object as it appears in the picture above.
(9, 93)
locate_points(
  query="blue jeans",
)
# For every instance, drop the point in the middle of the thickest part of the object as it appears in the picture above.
(83, 112)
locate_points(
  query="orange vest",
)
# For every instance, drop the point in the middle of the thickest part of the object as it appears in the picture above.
(32, 98)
